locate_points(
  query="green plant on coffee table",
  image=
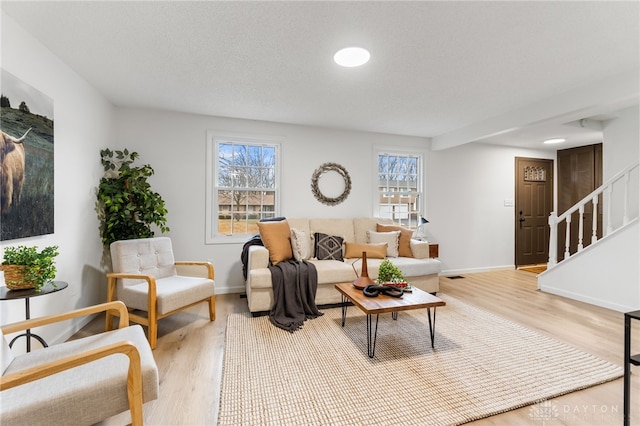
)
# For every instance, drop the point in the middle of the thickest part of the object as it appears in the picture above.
(39, 266)
(389, 273)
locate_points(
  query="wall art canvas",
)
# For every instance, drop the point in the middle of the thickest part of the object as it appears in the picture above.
(26, 160)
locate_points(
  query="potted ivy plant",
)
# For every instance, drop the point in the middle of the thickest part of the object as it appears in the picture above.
(27, 267)
(127, 207)
(389, 274)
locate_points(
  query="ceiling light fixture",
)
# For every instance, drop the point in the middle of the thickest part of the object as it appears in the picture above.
(352, 57)
(556, 140)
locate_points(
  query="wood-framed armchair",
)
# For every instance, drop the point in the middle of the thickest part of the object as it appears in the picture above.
(81, 381)
(145, 278)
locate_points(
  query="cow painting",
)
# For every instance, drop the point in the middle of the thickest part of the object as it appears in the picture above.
(12, 167)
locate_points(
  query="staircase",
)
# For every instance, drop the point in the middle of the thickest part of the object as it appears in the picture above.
(601, 271)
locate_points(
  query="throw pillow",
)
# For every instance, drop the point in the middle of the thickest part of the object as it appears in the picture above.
(300, 244)
(328, 247)
(276, 238)
(374, 251)
(391, 238)
(404, 243)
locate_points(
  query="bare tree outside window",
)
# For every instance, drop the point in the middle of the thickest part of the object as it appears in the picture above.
(246, 185)
(399, 187)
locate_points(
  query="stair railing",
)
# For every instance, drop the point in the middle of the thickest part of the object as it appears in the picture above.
(607, 192)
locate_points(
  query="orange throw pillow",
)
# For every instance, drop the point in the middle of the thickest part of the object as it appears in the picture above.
(374, 251)
(404, 243)
(276, 237)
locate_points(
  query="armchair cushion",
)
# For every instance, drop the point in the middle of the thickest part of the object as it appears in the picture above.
(172, 293)
(148, 256)
(85, 394)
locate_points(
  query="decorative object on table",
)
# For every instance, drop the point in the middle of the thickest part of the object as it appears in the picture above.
(389, 274)
(388, 290)
(126, 204)
(26, 267)
(325, 168)
(421, 230)
(26, 160)
(363, 280)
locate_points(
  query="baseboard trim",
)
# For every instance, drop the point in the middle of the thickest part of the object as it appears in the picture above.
(585, 299)
(477, 270)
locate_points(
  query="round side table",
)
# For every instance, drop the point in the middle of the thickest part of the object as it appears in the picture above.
(50, 287)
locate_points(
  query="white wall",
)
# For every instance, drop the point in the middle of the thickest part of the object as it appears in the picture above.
(621, 148)
(174, 144)
(621, 141)
(83, 124)
(468, 186)
(605, 275)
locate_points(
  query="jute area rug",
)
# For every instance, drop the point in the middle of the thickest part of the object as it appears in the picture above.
(321, 375)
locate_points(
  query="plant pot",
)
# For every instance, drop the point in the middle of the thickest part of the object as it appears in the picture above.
(14, 277)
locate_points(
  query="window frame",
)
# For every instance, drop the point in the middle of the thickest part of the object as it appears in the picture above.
(421, 179)
(214, 138)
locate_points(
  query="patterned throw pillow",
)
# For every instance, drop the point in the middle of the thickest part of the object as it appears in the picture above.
(300, 244)
(328, 247)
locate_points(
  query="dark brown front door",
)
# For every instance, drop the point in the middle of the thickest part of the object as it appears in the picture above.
(534, 202)
(579, 173)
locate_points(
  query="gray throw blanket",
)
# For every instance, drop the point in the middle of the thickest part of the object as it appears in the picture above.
(294, 293)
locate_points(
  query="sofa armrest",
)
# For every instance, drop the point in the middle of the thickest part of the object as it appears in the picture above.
(419, 249)
(423, 249)
(258, 258)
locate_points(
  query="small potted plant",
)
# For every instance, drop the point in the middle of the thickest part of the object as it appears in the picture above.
(389, 274)
(26, 267)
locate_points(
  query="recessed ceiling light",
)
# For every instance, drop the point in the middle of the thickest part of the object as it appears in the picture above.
(557, 140)
(352, 57)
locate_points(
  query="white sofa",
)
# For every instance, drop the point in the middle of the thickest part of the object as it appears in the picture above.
(420, 270)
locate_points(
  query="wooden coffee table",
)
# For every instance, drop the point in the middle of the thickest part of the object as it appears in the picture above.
(417, 299)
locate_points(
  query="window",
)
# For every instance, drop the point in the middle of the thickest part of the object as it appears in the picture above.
(399, 191)
(242, 185)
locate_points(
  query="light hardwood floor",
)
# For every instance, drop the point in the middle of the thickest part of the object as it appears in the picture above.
(190, 352)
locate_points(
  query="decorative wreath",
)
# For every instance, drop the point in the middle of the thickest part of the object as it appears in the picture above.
(330, 167)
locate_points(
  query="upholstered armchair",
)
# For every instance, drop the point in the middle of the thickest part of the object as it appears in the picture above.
(81, 381)
(145, 277)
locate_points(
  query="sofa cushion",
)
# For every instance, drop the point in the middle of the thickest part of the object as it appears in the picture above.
(363, 224)
(404, 242)
(328, 247)
(334, 271)
(410, 267)
(300, 244)
(276, 237)
(391, 238)
(374, 251)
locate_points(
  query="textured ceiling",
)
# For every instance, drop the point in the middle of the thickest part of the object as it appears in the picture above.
(436, 69)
